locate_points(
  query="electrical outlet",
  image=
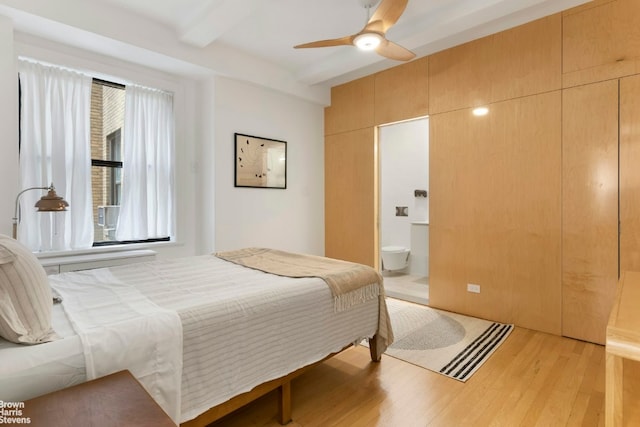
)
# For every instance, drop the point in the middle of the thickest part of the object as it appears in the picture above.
(472, 287)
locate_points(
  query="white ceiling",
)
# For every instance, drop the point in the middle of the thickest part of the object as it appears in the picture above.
(267, 30)
(270, 28)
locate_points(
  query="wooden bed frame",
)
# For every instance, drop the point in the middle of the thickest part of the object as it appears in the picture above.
(283, 384)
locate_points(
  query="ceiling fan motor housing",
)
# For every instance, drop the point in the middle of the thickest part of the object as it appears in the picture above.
(368, 4)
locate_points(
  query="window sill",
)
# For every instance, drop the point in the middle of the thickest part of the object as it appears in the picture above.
(104, 249)
(98, 257)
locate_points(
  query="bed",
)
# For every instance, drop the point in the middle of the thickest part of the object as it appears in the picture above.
(203, 334)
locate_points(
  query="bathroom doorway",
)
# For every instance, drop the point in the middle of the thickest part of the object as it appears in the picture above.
(404, 208)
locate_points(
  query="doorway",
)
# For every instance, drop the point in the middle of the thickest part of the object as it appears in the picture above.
(404, 209)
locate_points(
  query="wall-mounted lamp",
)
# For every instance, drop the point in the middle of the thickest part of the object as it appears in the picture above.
(50, 202)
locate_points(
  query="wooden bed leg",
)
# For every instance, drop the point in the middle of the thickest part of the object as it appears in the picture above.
(376, 348)
(284, 403)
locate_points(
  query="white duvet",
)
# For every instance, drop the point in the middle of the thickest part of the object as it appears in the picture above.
(120, 329)
(198, 331)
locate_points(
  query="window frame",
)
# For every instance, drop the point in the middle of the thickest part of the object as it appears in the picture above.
(117, 164)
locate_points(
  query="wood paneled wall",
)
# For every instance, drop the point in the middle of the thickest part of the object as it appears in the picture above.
(402, 92)
(522, 61)
(495, 211)
(519, 199)
(350, 196)
(351, 107)
(351, 203)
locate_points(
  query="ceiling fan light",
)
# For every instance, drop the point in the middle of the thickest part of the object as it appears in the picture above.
(367, 41)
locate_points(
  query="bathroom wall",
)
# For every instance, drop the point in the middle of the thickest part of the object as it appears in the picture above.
(404, 160)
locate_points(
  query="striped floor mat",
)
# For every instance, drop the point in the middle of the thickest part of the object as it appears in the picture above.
(450, 344)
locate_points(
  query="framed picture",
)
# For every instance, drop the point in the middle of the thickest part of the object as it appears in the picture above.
(260, 162)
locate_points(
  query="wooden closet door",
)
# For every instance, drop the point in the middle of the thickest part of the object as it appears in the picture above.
(350, 196)
(589, 208)
(630, 173)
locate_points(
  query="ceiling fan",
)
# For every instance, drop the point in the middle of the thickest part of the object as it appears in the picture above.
(372, 36)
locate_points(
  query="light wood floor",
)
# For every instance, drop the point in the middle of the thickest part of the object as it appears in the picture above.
(534, 379)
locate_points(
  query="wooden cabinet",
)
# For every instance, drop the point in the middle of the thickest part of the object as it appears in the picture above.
(589, 208)
(601, 41)
(630, 173)
(522, 61)
(601, 154)
(601, 200)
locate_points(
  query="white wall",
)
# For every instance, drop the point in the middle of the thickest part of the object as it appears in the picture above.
(404, 167)
(186, 95)
(212, 214)
(290, 219)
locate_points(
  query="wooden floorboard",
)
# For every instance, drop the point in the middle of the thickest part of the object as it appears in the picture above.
(533, 379)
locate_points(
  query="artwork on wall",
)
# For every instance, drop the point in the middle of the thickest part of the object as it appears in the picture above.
(260, 162)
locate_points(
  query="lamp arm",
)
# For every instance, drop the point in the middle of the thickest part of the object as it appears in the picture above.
(15, 212)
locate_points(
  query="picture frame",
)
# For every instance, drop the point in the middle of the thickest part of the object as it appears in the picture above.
(259, 162)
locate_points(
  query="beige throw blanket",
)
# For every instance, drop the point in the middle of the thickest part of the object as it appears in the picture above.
(350, 283)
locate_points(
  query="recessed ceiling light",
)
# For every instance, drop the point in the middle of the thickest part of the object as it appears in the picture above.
(480, 111)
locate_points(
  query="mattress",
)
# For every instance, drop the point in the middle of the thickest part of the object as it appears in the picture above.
(240, 327)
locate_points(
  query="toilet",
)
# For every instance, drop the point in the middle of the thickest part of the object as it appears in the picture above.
(394, 257)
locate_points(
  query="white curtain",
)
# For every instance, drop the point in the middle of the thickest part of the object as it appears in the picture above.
(146, 210)
(55, 148)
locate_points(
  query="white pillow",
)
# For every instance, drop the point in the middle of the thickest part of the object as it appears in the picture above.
(25, 295)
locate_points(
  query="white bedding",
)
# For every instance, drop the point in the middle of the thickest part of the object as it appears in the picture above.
(120, 329)
(28, 371)
(240, 327)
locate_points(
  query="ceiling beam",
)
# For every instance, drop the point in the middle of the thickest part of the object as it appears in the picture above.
(80, 24)
(218, 18)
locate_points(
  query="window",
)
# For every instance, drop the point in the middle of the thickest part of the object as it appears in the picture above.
(109, 150)
(107, 120)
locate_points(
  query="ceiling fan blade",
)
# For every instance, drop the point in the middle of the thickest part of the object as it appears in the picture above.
(386, 15)
(392, 50)
(342, 41)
